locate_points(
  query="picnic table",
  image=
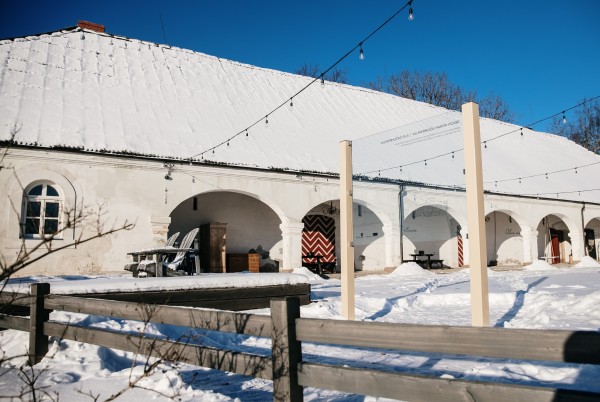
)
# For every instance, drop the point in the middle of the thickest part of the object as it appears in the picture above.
(158, 255)
(426, 263)
(312, 264)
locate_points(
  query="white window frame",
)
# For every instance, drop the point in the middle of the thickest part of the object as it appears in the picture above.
(43, 199)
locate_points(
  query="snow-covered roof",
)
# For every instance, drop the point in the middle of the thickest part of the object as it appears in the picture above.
(97, 92)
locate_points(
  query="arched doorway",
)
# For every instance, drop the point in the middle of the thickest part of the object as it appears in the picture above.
(554, 243)
(503, 238)
(322, 229)
(592, 238)
(249, 224)
(434, 231)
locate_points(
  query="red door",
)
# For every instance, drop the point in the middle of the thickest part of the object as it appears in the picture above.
(554, 249)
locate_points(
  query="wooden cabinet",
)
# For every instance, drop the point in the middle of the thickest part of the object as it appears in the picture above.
(213, 247)
(243, 262)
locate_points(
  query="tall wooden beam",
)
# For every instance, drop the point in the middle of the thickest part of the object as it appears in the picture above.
(346, 230)
(480, 315)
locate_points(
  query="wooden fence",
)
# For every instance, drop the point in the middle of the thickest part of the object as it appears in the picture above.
(287, 332)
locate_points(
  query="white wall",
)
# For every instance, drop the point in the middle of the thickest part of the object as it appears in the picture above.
(259, 206)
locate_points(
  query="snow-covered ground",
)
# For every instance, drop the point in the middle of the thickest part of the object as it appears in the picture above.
(540, 296)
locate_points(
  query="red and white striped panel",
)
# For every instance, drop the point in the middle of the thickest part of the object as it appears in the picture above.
(460, 250)
(318, 237)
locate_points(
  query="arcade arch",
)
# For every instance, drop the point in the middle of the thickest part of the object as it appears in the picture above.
(503, 239)
(250, 223)
(433, 230)
(554, 242)
(592, 238)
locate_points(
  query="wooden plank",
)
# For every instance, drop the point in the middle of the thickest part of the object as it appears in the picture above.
(417, 388)
(225, 360)
(286, 350)
(14, 299)
(248, 324)
(190, 295)
(11, 322)
(527, 344)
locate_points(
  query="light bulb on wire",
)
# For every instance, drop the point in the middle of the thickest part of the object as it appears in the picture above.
(564, 118)
(361, 54)
(410, 12)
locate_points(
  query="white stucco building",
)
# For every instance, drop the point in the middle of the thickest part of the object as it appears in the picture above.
(172, 139)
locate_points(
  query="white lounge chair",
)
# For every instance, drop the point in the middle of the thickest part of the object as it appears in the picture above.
(171, 268)
(133, 266)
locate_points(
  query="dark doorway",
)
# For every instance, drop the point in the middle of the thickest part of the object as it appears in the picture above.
(557, 237)
(590, 243)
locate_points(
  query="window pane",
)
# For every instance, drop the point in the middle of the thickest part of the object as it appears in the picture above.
(51, 191)
(52, 209)
(32, 226)
(50, 226)
(37, 190)
(33, 208)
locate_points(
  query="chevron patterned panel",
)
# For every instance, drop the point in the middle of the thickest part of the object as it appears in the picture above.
(318, 237)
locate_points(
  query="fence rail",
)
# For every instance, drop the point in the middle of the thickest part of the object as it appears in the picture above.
(287, 332)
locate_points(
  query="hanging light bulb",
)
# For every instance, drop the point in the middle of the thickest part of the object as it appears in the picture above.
(425, 162)
(227, 143)
(496, 184)
(361, 54)
(519, 180)
(400, 169)
(452, 154)
(564, 118)
(410, 12)
(291, 102)
(322, 81)
(546, 176)
(246, 134)
(266, 119)
(575, 170)
(521, 132)
(485, 144)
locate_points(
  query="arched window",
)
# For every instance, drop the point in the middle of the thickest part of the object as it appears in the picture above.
(42, 211)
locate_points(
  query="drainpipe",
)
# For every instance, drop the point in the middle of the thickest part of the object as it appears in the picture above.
(401, 214)
(585, 248)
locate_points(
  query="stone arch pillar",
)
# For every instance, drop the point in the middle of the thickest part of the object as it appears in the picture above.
(577, 245)
(160, 229)
(291, 233)
(392, 245)
(530, 244)
(465, 236)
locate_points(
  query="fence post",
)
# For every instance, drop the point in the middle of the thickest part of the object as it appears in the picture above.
(286, 350)
(38, 342)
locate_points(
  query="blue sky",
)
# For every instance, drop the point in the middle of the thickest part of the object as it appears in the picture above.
(541, 56)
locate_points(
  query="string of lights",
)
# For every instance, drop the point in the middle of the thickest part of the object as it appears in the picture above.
(320, 78)
(452, 153)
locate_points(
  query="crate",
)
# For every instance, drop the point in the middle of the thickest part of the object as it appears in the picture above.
(243, 262)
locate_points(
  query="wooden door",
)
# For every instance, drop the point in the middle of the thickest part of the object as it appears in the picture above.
(554, 246)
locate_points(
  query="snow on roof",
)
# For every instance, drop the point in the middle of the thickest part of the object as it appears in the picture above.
(97, 92)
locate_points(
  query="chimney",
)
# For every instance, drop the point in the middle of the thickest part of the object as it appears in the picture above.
(90, 25)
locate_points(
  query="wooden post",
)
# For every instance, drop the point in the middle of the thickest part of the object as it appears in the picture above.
(480, 314)
(346, 230)
(286, 350)
(38, 315)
